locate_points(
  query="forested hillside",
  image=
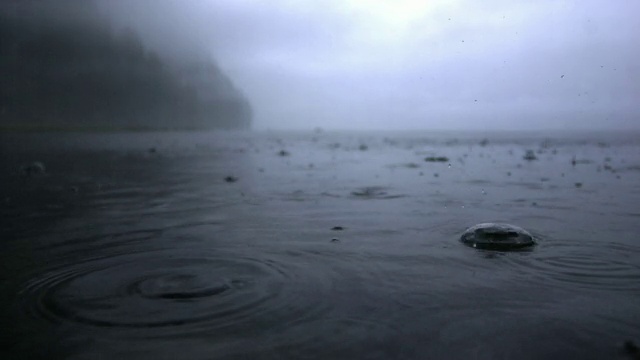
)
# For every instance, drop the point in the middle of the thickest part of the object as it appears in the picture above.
(62, 66)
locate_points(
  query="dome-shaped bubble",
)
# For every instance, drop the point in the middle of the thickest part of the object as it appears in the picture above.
(494, 236)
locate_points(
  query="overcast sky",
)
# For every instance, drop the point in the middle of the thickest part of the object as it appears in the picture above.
(411, 64)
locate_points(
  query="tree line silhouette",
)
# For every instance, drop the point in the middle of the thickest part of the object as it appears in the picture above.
(62, 67)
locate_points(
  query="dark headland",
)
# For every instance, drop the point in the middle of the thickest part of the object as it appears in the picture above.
(63, 66)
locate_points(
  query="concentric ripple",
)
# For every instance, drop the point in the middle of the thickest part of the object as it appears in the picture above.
(374, 192)
(186, 290)
(588, 265)
(177, 287)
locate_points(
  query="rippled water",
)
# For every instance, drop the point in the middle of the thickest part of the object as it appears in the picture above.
(328, 246)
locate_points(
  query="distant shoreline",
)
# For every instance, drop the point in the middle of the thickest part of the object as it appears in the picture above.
(30, 128)
(592, 134)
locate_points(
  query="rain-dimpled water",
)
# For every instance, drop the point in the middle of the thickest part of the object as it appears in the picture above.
(317, 245)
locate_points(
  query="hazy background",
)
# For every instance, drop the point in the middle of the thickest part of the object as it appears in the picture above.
(334, 64)
(411, 63)
(122, 244)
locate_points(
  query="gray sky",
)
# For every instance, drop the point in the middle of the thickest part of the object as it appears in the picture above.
(411, 64)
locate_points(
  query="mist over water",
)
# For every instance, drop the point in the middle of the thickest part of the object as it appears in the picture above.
(424, 180)
(411, 64)
(350, 65)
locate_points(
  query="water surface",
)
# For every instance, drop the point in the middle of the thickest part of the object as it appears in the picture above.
(328, 246)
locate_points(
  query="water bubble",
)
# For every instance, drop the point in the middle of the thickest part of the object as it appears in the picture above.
(439, 159)
(494, 236)
(530, 155)
(33, 169)
(230, 179)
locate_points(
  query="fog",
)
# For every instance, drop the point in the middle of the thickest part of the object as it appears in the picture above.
(412, 64)
(333, 64)
(140, 218)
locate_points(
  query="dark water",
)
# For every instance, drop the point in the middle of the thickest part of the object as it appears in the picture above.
(135, 246)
